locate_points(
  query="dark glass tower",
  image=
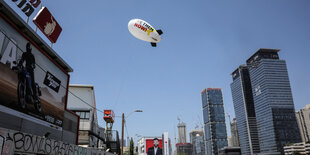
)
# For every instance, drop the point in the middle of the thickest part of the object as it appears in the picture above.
(214, 120)
(245, 112)
(273, 101)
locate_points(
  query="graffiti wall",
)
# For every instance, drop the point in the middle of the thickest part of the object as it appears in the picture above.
(12, 142)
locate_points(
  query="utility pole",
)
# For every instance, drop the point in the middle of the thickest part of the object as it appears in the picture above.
(123, 121)
(122, 142)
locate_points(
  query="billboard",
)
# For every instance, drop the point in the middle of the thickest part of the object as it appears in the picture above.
(30, 83)
(150, 143)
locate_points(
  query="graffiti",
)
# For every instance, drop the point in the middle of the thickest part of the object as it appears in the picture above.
(27, 143)
(35, 144)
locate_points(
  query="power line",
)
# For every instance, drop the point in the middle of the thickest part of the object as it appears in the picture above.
(85, 101)
(126, 129)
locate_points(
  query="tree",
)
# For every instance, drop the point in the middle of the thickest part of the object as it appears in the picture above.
(132, 147)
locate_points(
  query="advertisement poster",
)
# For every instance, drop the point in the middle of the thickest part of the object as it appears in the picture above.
(29, 81)
(150, 143)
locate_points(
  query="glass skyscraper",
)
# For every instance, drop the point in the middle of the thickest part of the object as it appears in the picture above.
(214, 120)
(245, 112)
(272, 99)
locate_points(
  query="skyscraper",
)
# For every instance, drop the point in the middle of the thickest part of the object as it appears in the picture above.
(234, 133)
(196, 138)
(182, 132)
(214, 120)
(272, 98)
(303, 120)
(244, 109)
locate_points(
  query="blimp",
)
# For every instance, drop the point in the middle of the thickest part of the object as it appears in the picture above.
(144, 31)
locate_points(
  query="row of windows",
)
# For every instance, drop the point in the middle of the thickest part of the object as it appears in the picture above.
(216, 114)
(215, 131)
(83, 114)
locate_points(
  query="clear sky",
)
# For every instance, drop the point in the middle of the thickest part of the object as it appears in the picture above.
(203, 42)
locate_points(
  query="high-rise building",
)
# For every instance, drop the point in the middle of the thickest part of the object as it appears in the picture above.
(272, 98)
(196, 139)
(303, 120)
(245, 112)
(184, 149)
(182, 132)
(234, 133)
(214, 120)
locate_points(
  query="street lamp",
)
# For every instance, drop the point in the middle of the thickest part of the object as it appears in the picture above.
(123, 120)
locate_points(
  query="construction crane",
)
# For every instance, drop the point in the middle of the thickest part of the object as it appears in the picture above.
(179, 119)
(228, 118)
(199, 121)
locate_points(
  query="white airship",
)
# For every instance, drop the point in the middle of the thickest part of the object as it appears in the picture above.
(144, 31)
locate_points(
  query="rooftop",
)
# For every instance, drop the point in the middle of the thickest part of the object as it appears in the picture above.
(263, 50)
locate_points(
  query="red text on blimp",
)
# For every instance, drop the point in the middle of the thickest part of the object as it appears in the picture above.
(144, 29)
(140, 27)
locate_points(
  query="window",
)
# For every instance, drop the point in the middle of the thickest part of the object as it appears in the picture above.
(83, 114)
(87, 115)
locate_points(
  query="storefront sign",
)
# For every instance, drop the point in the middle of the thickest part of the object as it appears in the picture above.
(47, 24)
(27, 6)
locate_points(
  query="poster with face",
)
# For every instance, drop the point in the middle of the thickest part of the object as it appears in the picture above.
(30, 82)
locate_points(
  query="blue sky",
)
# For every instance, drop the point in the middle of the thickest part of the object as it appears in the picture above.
(203, 42)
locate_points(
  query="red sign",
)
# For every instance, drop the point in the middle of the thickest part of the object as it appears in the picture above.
(150, 143)
(47, 24)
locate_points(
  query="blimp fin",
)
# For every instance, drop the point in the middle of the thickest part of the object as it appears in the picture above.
(153, 44)
(159, 32)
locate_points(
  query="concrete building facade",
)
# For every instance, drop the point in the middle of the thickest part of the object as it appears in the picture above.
(303, 120)
(234, 133)
(81, 100)
(182, 133)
